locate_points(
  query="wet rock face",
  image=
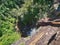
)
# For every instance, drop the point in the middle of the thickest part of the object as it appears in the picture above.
(47, 35)
(56, 41)
(50, 39)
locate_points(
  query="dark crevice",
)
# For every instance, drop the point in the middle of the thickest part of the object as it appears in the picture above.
(47, 24)
(25, 30)
(52, 38)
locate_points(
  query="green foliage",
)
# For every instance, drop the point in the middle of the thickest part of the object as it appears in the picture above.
(32, 10)
(7, 22)
(29, 12)
(0, 33)
(7, 39)
(7, 31)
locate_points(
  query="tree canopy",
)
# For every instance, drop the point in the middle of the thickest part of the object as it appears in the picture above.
(29, 12)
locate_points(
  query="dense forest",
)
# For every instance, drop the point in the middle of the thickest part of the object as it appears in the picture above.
(24, 12)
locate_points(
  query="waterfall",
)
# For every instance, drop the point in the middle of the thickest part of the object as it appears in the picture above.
(33, 31)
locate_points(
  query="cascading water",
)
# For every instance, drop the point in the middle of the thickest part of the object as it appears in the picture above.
(33, 31)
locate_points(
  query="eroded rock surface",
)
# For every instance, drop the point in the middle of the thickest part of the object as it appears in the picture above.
(56, 41)
(47, 35)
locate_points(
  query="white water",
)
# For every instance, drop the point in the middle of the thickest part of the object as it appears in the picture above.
(33, 31)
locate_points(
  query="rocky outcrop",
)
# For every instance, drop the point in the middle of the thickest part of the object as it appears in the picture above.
(47, 35)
